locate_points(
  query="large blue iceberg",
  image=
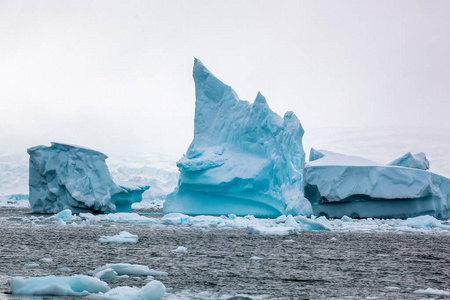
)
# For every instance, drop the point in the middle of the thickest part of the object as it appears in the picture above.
(244, 159)
(69, 177)
(339, 185)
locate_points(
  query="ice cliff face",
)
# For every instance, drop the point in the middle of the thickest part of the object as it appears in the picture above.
(244, 158)
(339, 185)
(69, 177)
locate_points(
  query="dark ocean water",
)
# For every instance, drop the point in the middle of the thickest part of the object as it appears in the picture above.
(312, 265)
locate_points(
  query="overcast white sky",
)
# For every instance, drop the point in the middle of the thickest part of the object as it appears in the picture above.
(116, 75)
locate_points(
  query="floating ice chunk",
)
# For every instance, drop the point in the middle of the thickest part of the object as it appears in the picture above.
(117, 217)
(70, 177)
(279, 230)
(430, 291)
(180, 249)
(108, 274)
(153, 290)
(291, 222)
(416, 161)
(244, 158)
(65, 215)
(339, 185)
(47, 259)
(346, 219)
(424, 222)
(121, 238)
(175, 219)
(32, 265)
(333, 239)
(77, 285)
(311, 225)
(288, 241)
(392, 288)
(132, 194)
(256, 258)
(129, 269)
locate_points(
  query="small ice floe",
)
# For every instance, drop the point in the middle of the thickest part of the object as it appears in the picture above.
(382, 255)
(118, 218)
(430, 291)
(175, 219)
(333, 239)
(65, 215)
(121, 238)
(77, 285)
(47, 259)
(129, 269)
(108, 274)
(278, 230)
(289, 241)
(424, 222)
(256, 258)
(180, 249)
(151, 291)
(32, 265)
(392, 288)
(346, 219)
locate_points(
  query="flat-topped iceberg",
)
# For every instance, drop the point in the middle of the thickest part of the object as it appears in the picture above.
(244, 159)
(339, 185)
(70, 177)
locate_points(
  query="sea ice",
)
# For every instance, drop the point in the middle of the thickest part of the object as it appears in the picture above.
(244, 158)
(153, 290)
(77, 285)
(70, 177)
(129, 269)
(121, 238)
(430, 291)
(180, 249)
(339, 185)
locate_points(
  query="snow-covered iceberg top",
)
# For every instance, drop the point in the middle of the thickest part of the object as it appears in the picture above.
(339, 185)
(244, 159)
(71, 177)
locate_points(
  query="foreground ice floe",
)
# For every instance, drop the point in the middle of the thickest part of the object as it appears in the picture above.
(77, 285)
(244, 158)
(151, 291)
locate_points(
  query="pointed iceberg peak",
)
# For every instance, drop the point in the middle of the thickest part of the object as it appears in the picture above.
(260, 99)
(244, 159)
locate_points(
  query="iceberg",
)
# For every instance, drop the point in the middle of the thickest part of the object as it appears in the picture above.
(70, 177)
(339, 185)
(244, 158)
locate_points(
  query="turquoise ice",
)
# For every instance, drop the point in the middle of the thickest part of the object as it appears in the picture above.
(244, 159)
